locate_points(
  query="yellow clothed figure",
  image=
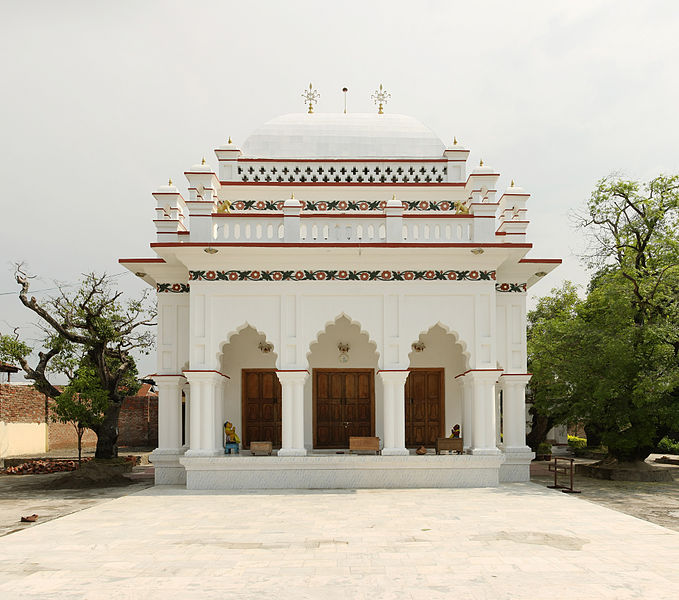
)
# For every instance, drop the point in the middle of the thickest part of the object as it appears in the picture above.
(230, 432)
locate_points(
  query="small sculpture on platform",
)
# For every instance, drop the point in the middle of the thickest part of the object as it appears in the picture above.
(231, 439)
(455, 432)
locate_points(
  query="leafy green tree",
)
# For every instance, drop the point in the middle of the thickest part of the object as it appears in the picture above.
(83, 402)
(89, 332)
(612, 360)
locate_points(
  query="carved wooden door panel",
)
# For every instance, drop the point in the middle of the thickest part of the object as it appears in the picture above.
(344, 406)
(424, 403)
(261, 407)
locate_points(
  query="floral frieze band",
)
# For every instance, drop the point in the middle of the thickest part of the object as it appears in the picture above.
(342, 205)
(510, 287)
(174, 288)
(342, 275)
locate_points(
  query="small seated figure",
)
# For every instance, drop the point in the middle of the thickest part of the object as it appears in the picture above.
(455, 432)
(232, 441)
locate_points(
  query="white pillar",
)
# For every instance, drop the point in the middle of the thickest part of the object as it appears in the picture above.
(467, 413)
(514, 404)
(205, 435)
(393, 385)
(187, 415)
(170, 411)
(292, 412)
(483, 419)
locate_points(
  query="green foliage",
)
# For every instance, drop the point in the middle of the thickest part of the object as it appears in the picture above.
(84, 401)
(668, 446)
(575, 442)
(12, 350)
(611, 360)
(544, 448)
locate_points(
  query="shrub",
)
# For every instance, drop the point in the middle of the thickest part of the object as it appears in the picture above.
(544, 448)
(668, 446)
(576, 443)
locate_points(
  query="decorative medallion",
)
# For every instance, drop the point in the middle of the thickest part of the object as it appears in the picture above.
(342, 275)
(175, 288)
(510, 287)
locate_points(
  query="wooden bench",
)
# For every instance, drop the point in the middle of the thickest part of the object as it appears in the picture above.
(261, 448)
(364, 444)
(449, 444)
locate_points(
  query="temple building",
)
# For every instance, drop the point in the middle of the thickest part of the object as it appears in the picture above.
(338, 276)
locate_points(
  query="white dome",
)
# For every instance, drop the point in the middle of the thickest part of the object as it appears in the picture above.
(336, 135)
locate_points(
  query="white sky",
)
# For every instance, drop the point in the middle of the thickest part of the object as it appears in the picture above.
(100, 102)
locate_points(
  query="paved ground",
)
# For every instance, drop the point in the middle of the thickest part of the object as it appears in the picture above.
(516, 541)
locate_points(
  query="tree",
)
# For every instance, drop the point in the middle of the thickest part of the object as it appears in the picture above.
(90, 327)
(83, 402)
(612, 360)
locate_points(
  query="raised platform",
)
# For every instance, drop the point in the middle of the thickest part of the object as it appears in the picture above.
(341, 471)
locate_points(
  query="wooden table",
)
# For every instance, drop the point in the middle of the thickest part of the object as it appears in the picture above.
(449, 444)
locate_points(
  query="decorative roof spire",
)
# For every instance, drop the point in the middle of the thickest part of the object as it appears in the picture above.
(229, 142)
(202, 162)
(380, 98)
(481, 163)
(169, 182)
(311, 96)
(512, 184)
(454, 141)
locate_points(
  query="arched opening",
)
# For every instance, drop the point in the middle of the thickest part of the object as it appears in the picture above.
(434, 400)
(252, 399)
(340, 402)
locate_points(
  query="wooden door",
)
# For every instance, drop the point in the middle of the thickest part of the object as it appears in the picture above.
(261, 407)
(344, 405)
(424, 407)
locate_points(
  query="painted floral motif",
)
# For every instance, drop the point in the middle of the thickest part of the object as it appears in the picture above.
(343, 275)
(343, 205)
(510, 287)
(175, 288)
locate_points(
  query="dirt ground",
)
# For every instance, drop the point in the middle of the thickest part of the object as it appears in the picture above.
(654, 502)
(23, 495)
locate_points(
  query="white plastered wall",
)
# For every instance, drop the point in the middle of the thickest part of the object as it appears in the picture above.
(17, 439)
(173, 333)
(511, 332)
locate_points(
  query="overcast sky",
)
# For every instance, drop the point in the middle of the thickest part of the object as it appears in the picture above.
(103, 101)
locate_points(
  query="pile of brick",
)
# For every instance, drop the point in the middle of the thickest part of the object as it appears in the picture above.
(42, 466)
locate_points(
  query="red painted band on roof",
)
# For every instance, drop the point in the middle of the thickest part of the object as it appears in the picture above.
(205, 371)
(477, 370)
(141, 260)
(214, 244)
(556, 261)
(344, 183)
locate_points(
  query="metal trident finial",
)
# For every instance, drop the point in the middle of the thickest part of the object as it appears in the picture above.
(381, 97)
(311, 96)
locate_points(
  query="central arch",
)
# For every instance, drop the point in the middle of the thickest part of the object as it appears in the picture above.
(341, 398)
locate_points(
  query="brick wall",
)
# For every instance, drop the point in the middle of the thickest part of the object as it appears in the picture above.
(138, 423)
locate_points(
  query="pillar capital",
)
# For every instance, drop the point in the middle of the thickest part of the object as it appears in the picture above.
(395, 376)
(292, 375)
(483, 375)
(207, 376)
(511, 379)
(169, 380)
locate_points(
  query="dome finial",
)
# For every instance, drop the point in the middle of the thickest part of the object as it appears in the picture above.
(381, 97)
(292, 196)
(169, 182)
(229, 142)
(311, 96)
(512, 184)
(481, 163)
(454, 141)
(202, 162)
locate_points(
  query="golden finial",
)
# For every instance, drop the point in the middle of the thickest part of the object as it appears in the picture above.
(292, 196)
(229, 142)
(169, 182)
(381, 97)
(512, 184)
(202, 162)
(454, 141)
(481, 163)
(393, 197)
(311, 96)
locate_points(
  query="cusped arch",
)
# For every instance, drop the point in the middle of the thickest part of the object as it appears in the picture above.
(458, 340)
(353, 323)
(238, 330)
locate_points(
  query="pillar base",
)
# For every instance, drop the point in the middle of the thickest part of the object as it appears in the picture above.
(395, 452)
(485, 451)
(292, 452)
(517, 465)
(167, 469)
(215, 452)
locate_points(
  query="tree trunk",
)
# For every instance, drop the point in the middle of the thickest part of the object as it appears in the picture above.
(107, 433)
(81, 430)
(540, 426)
(593, 433)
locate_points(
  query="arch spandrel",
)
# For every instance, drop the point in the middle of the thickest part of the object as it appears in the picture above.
(233, 335)
(353, 324)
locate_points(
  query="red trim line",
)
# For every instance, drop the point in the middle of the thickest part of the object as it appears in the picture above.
(205, 371)
(477, 370)
(342, 183)
(140, 260)
(539, 261)
(333, 245)
(342, 160)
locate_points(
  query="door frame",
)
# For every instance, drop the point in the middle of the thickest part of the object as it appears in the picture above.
(442, 399)
(314, 398)
(243, 419)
